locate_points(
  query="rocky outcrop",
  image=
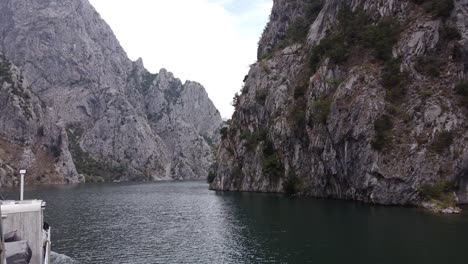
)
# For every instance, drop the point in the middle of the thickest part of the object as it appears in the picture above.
(367, 101)
(119, 121)
(28, 139)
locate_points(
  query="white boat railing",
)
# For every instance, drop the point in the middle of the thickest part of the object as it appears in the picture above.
(47, 248)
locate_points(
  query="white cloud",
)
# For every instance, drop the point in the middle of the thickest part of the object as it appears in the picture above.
(197, 40)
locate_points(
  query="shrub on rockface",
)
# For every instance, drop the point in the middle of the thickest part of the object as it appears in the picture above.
(297, 113)
(440, 191)
(5, 74)
(394, 80)
(438, 8)
(429, 65)
(298, 29)
(322, 108)
(211, 177)
(442, 141)
(383, 133)
(272, 165)
(462, 90)
(293, 185)
(450, 32)
(224, 133)
(261, 96)
(56, 151)
(253, 139)
(356, 31)
(235, 100)
(85, 163)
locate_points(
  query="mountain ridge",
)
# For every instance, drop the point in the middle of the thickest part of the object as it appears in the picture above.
(120, 121)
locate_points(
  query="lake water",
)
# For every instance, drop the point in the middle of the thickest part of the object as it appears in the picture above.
(184, 222)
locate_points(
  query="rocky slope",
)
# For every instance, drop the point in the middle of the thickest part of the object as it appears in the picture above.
(118, 121)
(363, 100)
(28, 139)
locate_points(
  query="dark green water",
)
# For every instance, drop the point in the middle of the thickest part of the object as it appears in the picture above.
(183, 222)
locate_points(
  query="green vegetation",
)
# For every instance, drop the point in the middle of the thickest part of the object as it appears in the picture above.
(55, 147)
(297, 113)
(299, 28)
(211, 177)
(253, 139)
(426, 93)
(208, 140)
(272, 166)
(94, 179)
(333, 82)
(322, 110)
(235, 100)
(450, 32)
(429, 65)
(441, 192)
(383, 133)
(154, 117)
(264, 65)
(442, 141)
(355, 31)
(40, 131)
(87, 165)
(394, 81)
(293, 185)
(261, 96)
(147, 80)
(224, 133)
(438, 8)
(462, 90)
(300, 91)
(55, 150)
(244, 89)
(172, 94)
(297, 31)
(5, 72)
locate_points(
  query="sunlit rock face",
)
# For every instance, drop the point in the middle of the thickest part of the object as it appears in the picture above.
(117, 120)
(361, 100)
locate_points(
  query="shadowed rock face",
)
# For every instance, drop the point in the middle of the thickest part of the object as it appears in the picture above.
(120, 122)
(326, 121)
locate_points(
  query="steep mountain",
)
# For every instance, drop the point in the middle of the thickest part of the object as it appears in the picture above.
(362, 100)
(121, 122)
(28, 138)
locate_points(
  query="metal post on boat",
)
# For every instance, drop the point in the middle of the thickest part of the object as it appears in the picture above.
(22, 172)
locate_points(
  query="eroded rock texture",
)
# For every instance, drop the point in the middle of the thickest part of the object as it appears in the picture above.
(361, 100)
(117, 121)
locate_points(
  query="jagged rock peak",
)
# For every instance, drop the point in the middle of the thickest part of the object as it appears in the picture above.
(122, 122)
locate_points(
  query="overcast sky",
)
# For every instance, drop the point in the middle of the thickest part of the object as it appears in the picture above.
(212, 42)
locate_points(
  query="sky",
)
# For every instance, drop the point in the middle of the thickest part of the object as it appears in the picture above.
(212, 42)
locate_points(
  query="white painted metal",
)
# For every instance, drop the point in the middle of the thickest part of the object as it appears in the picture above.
(47, 250)
(22, 187)
(25, 217)
(2, 245)
(12, 207)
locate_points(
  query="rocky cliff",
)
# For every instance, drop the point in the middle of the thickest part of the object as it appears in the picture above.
(28, 138)
(363, 100)
(117, 121)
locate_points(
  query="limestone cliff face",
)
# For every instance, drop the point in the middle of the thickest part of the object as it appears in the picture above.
(363, 100)
(28, 139)
(120, 121)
